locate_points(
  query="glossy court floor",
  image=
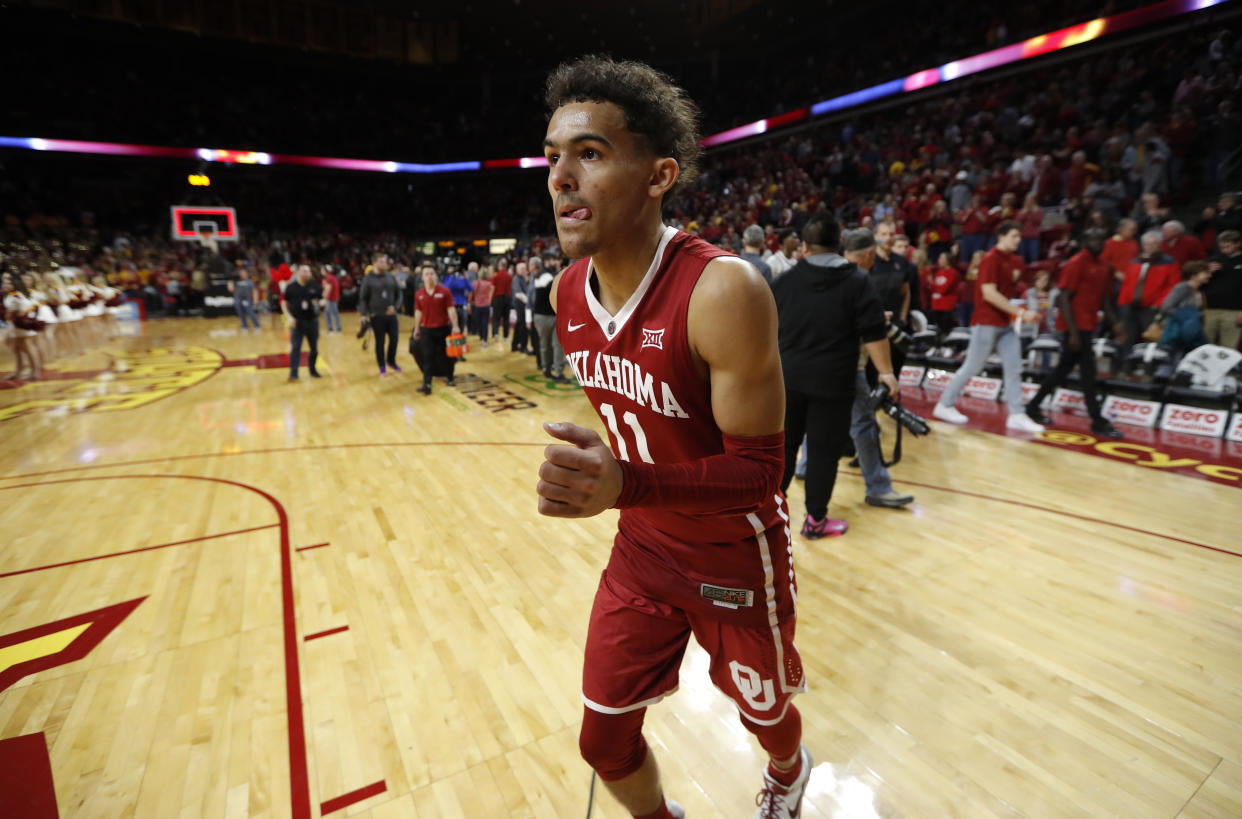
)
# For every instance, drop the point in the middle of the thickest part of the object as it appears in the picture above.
(224, 595)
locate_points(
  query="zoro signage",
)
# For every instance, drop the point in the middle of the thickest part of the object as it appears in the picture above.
(1194, 420)
(1133, 411)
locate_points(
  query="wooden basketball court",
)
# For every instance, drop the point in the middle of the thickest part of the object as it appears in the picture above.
(225, 595)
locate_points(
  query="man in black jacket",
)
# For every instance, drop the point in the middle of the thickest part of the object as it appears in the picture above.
(301, 297)
(826, 304)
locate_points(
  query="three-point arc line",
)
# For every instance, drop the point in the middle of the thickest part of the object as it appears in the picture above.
(312, 546)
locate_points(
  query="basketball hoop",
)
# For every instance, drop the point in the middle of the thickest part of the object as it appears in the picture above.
(204, 225)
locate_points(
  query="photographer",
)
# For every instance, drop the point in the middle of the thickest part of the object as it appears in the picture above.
(860, 248)
(825, 305)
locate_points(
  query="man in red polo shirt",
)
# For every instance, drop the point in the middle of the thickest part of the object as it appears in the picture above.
(433, 317)
(992, 328)
(1082, 292)
(1145, 281)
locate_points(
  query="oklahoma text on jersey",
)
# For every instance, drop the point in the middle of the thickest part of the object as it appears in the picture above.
(624, 377)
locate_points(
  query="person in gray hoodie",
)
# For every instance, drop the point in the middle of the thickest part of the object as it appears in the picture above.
(377, 303)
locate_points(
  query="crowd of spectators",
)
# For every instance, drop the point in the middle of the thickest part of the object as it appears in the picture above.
(1085, 143)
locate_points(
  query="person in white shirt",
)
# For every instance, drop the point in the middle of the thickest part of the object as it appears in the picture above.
(784, 259)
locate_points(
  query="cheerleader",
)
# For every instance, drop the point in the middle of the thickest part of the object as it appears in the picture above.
(23, 335)
(69, 332)
(80, 299)
(112, 301)
(43, 312)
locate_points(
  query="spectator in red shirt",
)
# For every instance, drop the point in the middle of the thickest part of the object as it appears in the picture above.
(944, 283)
(1006, 211)
(966, 290)
(1047, 182)
(973, 221)
(481, 299)
(1145, 283)
(331, 299)
(1121, 247)
(1179, 245)
(939, 230)
(1079, 175)
(1083, 291)
(992, 328)
(502, 299)
(1031, 217)
(434, 315)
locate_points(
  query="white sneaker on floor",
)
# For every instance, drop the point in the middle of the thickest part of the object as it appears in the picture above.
(776, 801)
(677, 810)
(1022, 422)
(949, 414)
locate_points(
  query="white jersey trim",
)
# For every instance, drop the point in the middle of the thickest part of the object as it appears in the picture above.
(603, 318)
(769, 594)
(608, 709)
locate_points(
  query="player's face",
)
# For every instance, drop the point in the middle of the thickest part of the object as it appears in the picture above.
(600, 177)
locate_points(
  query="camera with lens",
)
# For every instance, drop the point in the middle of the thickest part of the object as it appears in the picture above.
(916, 424)
(898, 337)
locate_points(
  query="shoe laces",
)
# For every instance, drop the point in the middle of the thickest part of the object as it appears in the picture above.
(771, 800)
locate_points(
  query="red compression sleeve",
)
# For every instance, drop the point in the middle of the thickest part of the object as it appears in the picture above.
(747, 473)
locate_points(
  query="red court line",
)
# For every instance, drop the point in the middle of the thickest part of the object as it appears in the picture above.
(1075, 515)
(131, 551)
(327, 633)
(299, 779)
(312, 546)
(267, 451)
(347, 799)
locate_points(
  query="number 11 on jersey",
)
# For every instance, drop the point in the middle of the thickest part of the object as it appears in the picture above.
(640, 437)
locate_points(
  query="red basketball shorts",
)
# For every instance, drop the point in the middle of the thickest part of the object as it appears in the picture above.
(635, 646)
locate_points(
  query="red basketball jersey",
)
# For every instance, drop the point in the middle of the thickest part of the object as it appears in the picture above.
(638, 372)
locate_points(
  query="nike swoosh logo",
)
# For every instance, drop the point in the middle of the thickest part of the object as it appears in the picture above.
(573, 326)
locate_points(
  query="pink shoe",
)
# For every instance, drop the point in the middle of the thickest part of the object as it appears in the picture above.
(826, 527)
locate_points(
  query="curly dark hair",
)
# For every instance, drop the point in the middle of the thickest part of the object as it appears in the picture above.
(655, 107)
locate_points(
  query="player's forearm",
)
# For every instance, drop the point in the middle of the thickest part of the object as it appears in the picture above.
(746, 474)
(994, 298)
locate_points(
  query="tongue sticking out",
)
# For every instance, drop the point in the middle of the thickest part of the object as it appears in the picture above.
(579, 213)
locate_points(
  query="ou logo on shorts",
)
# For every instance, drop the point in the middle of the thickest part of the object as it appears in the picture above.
(749, 685)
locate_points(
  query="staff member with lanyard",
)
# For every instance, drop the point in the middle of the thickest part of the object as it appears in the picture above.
(302, 320)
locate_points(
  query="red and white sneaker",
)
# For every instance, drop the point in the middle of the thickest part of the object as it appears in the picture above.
(776, 801)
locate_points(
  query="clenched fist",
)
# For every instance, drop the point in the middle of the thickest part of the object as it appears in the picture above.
(579, 480)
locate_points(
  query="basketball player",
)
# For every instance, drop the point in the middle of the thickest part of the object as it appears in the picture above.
(674, 342)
